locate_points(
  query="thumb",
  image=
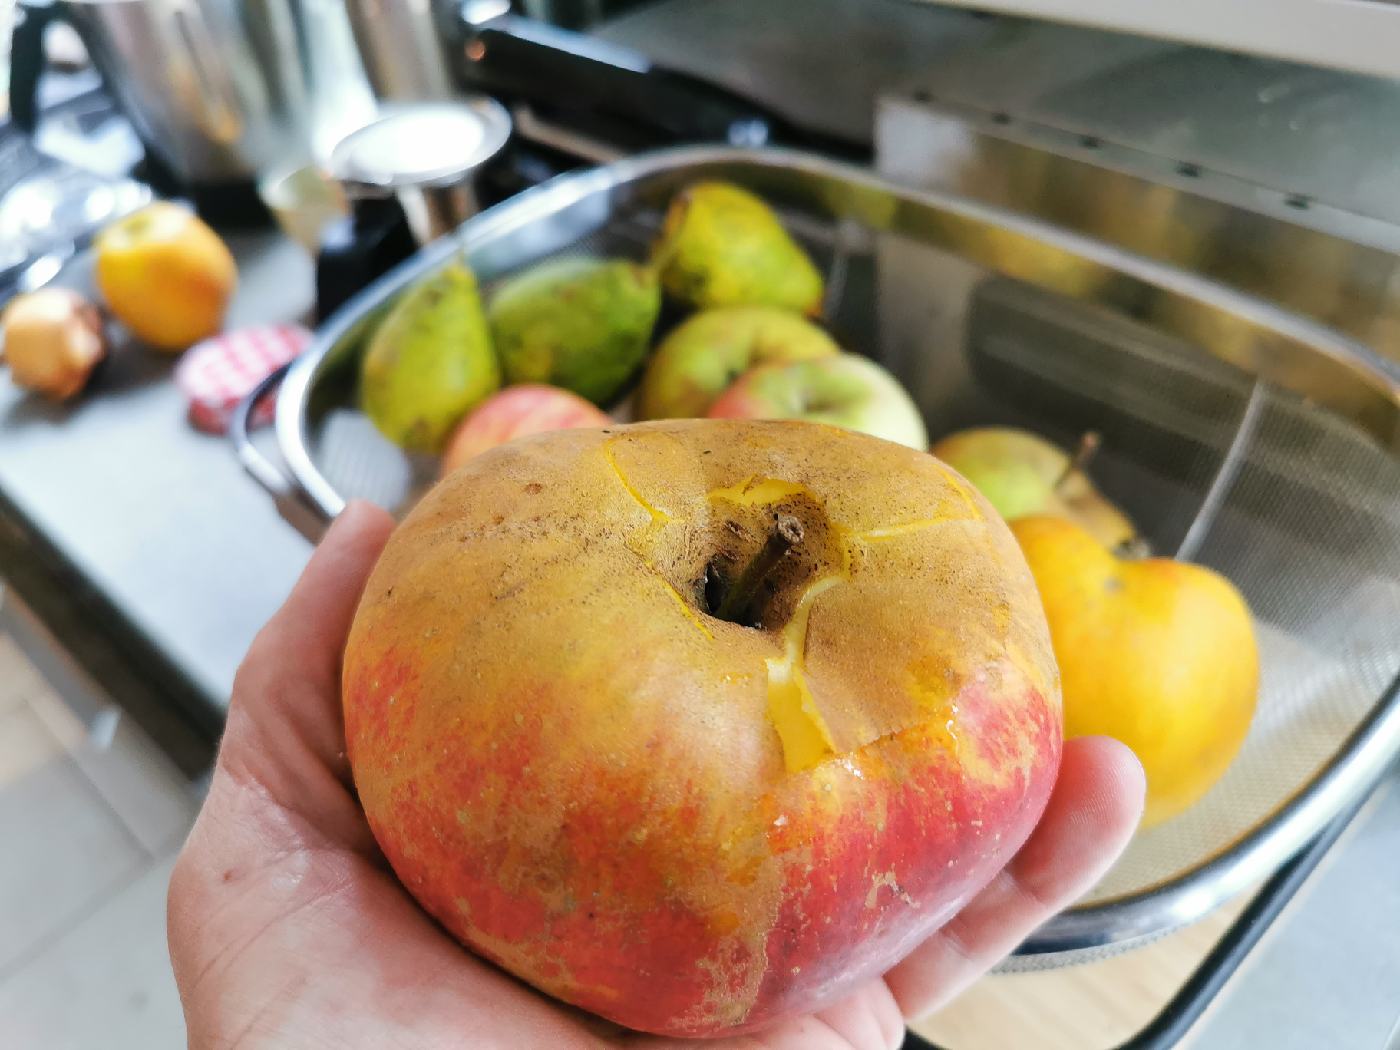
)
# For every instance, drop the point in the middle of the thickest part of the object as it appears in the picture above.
(287, 693)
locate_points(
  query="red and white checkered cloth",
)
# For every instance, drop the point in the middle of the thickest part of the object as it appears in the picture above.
(217, 373)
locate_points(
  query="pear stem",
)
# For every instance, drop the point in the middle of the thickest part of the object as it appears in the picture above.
(1089, 446)
(786, 535)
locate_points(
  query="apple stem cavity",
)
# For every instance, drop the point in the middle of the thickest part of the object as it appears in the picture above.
(736, 606)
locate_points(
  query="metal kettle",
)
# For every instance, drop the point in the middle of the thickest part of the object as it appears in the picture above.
(218, 90)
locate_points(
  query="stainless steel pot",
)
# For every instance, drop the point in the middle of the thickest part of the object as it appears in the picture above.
(219, 90)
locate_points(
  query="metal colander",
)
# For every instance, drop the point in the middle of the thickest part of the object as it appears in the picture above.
(1234, 434)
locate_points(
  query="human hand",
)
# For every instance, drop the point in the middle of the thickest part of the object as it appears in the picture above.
(287, 928)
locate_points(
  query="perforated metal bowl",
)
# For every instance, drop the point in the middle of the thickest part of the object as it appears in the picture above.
(1235, 434)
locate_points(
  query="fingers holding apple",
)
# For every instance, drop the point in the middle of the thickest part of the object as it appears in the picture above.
(1157, 653)
(531, 408)
(846, 390)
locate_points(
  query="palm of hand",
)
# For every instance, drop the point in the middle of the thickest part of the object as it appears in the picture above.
(288, 929)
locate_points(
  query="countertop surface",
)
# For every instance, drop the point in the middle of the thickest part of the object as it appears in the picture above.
(156, 518)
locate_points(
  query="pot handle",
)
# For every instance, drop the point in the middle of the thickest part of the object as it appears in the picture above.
(27, 59)
(296, 511)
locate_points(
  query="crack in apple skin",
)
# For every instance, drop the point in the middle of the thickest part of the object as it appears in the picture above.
(907, 528)
(658, 518)
(960, 487)
(754, 491)
(690, 614)
(791, 707)
(657, 515)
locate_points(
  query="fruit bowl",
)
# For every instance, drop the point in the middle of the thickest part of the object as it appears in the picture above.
(1237, 435)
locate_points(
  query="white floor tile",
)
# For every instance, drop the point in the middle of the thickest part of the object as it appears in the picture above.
(24, 745)
(17, 675)
(58, 718)
(63, 850)
(107, 983)
(140, 784)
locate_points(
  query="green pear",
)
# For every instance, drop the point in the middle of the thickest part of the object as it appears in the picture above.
(580, 323)
(702, 358)
(429, 362)
(1022, 474)
(722, 246)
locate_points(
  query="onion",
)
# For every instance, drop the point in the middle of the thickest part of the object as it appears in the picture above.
(53, 339)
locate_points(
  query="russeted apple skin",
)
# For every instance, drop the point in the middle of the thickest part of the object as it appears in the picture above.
(592, 782)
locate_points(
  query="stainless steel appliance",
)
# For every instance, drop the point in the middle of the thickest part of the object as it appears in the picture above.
(218, 90)
(401, 48)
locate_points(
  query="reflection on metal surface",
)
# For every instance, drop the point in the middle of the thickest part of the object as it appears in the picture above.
(974, 306)
(1338, 267)
(1361, 35)
(1225, 475)
(221, 90)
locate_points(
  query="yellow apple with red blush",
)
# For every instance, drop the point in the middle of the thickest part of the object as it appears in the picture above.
(698, 725)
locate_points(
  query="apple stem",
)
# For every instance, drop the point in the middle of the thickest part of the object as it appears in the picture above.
(786, 535)
(1134, 549)
(1089, 446)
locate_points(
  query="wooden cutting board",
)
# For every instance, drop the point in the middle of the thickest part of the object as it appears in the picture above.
(1094, 1006)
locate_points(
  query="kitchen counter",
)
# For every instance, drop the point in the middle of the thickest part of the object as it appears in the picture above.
(138, 539)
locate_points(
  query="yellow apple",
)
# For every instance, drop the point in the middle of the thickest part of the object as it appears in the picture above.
(1157, 653)
(165, 275)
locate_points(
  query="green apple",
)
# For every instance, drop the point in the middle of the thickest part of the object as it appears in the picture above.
(1021, 474)
(704, 356)
(845, 389)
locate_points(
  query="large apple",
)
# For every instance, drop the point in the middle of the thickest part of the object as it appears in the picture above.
(846, 389)
(531, 408)
(701, 358)
(1158, 653)
(699, 724)
(1021, 474)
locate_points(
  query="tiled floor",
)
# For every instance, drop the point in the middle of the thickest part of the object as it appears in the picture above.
(90, 825)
